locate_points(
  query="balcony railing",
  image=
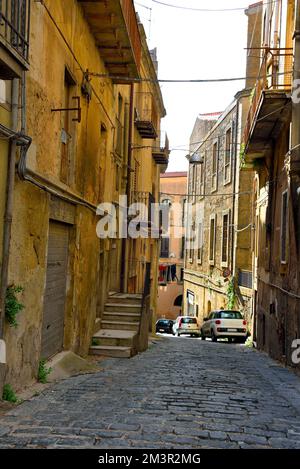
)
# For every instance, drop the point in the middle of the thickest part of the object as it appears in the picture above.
(161, 149)
(14, 26)
(146, 117)
(275, 75)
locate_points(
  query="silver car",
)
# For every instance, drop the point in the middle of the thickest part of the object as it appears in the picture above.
(186, 325)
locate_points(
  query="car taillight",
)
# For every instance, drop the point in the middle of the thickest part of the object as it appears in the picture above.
(245, 323)
(180, 322)
(218, 321)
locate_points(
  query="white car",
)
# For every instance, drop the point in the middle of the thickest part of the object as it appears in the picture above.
(225, 324)
(186, 325)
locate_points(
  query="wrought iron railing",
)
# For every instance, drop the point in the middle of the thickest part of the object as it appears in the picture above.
(146, 109)
(146, 199)
(276, 73)
(161, 144)
(15, 24)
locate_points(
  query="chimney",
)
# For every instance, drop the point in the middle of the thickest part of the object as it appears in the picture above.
(254, 39)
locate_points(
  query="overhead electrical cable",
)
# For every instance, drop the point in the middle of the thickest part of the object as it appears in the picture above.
(208, 10)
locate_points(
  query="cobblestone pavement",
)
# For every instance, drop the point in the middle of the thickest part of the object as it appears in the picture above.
(181, 393)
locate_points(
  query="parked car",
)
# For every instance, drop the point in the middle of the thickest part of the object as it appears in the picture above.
(164, 325)
(225, 324)
(186, 325)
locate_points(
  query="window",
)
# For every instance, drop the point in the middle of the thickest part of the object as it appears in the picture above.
(214, 169)
(191, 241)
(194, 181)
(68, 129)
(182, 247)
(284, 227)
(190, 185)
(227, 158)
(202, 171)
(212, 239)
(200, 243)
(183, 212)
(164, 250)
(229, 315)
(225, 239)
(181, 274)
(189, 321)
(119, 128)
(198, 179)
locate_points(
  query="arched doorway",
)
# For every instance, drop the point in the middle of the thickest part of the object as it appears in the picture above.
(178, 301)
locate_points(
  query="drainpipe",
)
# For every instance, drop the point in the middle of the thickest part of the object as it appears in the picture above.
(125, 246)
(8, 219)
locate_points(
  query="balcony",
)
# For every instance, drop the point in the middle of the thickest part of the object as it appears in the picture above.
(146, 117)
(160, 149)
(14, 37)
(270, 106)
(148, 214)
(114, 26)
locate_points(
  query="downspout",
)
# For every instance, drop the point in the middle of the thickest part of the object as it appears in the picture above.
(9, 204)
(125, 245)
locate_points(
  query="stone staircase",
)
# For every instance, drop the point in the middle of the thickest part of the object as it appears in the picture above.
(119, 326)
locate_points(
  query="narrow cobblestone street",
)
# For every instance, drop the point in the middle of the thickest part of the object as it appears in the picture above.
(181, 393)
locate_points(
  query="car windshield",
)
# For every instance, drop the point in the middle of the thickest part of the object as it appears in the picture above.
(230, 315)
(163, 322)
(189, 321)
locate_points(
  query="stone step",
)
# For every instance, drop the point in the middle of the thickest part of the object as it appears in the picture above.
(122, 308)
(115, 337)
(116, 316)
(111, 351)
(121, 325)
(125, 298)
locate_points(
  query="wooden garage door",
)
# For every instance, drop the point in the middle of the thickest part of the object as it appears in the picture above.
(55, 293)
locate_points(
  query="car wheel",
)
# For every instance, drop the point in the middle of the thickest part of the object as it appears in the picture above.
(213, 337)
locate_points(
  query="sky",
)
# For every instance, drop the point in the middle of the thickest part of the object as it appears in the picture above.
(195, 45)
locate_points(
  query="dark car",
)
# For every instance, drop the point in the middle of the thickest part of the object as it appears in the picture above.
(164, 325)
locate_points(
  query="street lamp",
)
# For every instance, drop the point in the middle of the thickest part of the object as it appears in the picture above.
(195, 158)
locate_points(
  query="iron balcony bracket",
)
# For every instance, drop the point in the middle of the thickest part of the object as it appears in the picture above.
(78, 109)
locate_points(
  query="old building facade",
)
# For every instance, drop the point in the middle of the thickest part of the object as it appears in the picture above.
(83, 115)
(173, 198)
(272, 149)
(218, 262)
